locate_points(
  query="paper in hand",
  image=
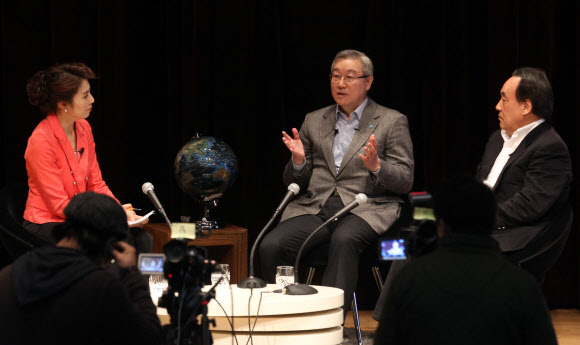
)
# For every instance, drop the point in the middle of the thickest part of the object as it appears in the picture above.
(141, 220)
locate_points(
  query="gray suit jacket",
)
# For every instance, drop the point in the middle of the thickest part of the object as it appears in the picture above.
(319, 178)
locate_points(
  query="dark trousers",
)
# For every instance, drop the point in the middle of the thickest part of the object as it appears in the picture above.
(43, 231)
(348, 238)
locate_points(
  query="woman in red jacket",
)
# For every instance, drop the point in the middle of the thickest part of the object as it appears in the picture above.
(60, 157)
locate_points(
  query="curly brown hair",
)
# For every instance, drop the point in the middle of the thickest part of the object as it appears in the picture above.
(57, 83)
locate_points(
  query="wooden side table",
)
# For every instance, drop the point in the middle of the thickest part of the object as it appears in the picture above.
(227, 246)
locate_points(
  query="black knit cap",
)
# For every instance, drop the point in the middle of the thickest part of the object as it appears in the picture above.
(99, 214)
(466, 205)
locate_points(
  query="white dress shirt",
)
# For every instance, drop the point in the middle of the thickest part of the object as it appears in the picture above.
(509, 146)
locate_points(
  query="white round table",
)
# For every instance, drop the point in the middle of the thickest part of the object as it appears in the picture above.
(281, 319)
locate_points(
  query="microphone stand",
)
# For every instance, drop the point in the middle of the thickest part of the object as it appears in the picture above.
(165, 217)
(254, 282)
(303, 289)
(147, 189)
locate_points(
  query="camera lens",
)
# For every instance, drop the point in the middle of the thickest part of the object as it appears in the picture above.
(175, 250)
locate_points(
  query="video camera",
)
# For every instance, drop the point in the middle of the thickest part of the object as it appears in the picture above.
(413, 240)
(186, 269)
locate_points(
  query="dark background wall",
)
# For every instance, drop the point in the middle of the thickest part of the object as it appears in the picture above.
(244, 70)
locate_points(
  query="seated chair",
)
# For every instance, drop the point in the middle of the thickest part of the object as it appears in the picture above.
(545, 249)
(14, 238)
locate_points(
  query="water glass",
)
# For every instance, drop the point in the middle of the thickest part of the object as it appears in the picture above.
(284, 276)
(157, 284)
(221, 270)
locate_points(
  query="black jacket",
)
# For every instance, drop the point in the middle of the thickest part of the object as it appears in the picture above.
(532, 187)
(56, 295)
(464, 293)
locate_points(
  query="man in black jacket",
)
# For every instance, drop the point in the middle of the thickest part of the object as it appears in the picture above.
(528, 166)
(63, 295)
(464, 292)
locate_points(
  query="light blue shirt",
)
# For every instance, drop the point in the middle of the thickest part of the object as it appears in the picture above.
(344, 132)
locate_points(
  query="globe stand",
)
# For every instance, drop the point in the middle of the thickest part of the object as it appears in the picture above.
(205, 223)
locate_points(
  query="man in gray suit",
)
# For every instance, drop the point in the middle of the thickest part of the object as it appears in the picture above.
(355, 146)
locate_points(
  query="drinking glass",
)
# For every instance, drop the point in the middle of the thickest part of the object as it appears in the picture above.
(221, 270)
(284, 276)
(157, 284)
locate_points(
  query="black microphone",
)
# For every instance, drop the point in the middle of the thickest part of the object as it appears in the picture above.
(335, 130)
(82, 150)
(147, 188)
(302, 289)
(251, 281)
(356, 128)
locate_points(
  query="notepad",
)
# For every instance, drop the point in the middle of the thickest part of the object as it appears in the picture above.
(141, 220)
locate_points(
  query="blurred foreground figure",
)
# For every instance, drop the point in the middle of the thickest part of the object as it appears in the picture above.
(63, 295)
(464, 292)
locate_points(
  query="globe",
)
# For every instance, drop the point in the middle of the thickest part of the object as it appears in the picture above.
(205, 168)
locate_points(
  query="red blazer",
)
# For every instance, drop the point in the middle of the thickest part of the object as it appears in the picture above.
(55, 174)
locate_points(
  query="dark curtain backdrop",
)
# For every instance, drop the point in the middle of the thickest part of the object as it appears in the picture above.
(244, 70)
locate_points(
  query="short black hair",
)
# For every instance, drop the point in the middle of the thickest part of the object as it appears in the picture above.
(465, 205)
(535, 86)
(95, 221)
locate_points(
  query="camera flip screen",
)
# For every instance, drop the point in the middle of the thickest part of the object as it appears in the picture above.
(150, 263)
(392, 249)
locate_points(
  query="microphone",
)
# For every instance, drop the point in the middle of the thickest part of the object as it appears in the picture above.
(302, 289)
(82, 150)
(335, 130)
(147, 188)
(293, 190)
(253, 282)
(356, 128)
(359, 199)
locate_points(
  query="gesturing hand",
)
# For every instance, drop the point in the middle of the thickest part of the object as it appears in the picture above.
(295, 146)
(371, 158)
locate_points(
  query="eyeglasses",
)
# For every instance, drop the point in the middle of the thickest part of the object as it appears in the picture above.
(337, 78)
